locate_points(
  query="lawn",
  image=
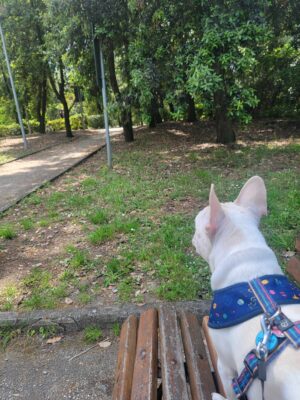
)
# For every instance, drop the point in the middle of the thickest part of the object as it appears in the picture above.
(102, 236)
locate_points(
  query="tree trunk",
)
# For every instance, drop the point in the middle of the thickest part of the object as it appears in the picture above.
(60, 94)
(126, 122)
(69, 133)
(125, 117)
(224, 126)
(191, 111)
(155, 117)
(41, 106)
(225, 131)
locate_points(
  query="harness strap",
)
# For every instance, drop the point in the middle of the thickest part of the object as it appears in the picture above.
(287, 327)
(249, 373)
(291, 331)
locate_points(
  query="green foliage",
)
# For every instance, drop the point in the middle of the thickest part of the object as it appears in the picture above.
(43, 293)
(226, 59)
(116, 329)
(10, 130)
(56, 124)
(99, 217)
(77, 122)
(95, 121)
(92, 334)
(8, 333)
(27, 223)
(7, 232)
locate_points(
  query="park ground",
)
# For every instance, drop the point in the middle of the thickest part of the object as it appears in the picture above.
(124, 235)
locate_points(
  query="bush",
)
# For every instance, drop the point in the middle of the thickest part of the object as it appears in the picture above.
(34, 124)
(10, 130)
(56, 124)
(76, 121)
(95, 121)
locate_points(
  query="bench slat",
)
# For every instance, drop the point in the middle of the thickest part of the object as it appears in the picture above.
(200, 377)
(126, 356)
(213, 355)
(173, 374)
(144, 383)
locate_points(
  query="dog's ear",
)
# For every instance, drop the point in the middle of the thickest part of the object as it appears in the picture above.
(216, 213)
(254, 196)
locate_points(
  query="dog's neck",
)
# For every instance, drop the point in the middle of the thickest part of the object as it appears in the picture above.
(243, 257)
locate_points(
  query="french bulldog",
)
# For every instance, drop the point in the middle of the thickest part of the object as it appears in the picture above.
(227, 236)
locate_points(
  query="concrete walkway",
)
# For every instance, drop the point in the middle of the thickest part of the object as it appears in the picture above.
(31, 369)
(21, 177)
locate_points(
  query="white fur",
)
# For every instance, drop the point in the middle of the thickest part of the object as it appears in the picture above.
(227, 236)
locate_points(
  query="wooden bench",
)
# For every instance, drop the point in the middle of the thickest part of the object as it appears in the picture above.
(162, 355)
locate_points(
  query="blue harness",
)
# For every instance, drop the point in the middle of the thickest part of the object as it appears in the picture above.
(259, 296)
(238, 303)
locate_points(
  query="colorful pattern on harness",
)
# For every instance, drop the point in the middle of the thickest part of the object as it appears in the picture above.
(238, 303)
(290, 330)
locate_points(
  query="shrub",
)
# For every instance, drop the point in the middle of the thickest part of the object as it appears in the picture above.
(10, 130)
(56, 124)
(76, 121)
(95, 121)
(34, 124)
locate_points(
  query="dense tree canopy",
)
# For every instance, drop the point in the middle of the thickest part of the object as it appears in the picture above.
(229, 60)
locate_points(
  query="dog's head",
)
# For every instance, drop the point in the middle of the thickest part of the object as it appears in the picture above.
(246, 210)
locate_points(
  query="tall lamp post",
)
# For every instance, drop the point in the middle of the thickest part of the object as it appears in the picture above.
(25, 144)
(99, 64)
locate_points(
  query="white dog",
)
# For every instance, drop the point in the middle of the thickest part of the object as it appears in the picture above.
(228, 238)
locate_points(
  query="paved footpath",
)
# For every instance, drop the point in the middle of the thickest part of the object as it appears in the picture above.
(21, 177)
(33, 370)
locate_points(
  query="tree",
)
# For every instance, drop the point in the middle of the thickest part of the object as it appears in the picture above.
(26, 53)
(61, 36)
(221, 73)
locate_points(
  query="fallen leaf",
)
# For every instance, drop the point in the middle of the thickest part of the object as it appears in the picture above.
(104, 344)
(55, 339)
(289, 254)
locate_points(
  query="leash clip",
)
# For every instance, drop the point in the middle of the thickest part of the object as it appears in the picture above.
(262, 348)
(273, 316)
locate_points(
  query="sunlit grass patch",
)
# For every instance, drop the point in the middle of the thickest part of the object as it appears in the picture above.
(7, 297)
(43, 293)
(109, 231)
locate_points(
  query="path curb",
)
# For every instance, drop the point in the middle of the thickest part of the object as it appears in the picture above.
(76, 319)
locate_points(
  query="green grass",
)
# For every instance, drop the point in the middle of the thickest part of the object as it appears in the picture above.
(8, 333)
(109, 231)
(99, 217)
(7, 297)
(7, 232)
(27, 224)
(92, 334)
(116, 329)
(43, 293)
(79, 258)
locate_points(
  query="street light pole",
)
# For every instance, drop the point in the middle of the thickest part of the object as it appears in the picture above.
(104, 98)
(100, 76)
(13, 88)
